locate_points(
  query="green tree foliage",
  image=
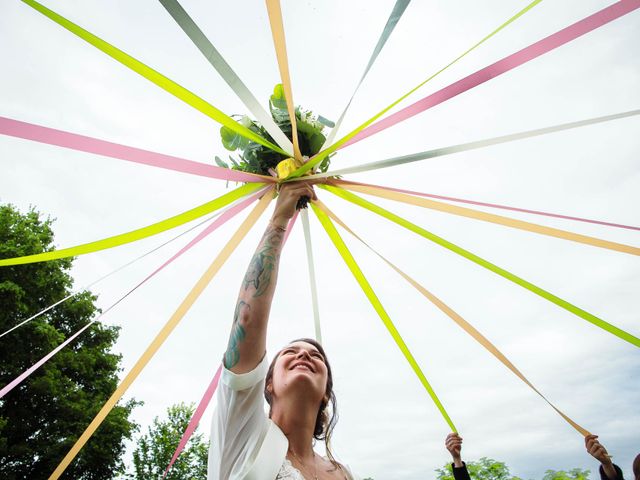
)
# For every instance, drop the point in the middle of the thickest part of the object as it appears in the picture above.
(483, 469)
(573, 474)
(488, 469)
(43, 417)
(155, 449)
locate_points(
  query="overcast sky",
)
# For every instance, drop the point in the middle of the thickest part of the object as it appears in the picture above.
(389, 428)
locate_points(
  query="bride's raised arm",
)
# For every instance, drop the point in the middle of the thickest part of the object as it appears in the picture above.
(248, 338)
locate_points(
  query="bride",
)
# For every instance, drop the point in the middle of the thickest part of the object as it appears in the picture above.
(247, 443)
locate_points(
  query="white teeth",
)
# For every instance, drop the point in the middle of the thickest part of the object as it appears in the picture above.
(302, 366)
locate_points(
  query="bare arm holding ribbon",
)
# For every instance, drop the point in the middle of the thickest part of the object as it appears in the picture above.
(608, 470)
(248, 338)
(453, 443)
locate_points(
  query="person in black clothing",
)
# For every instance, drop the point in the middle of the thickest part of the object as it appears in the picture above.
(608, 469)
(453, 443)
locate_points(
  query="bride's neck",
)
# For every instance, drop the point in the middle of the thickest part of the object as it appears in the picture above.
(296, 417)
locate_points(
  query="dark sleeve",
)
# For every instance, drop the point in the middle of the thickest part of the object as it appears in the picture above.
(603, 475)
(461, 473)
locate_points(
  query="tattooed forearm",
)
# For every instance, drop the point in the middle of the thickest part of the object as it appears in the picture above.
(264, 262)
(232, 355)
(248, 332)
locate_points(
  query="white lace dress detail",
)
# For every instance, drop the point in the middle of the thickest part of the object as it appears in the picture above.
(289, 472)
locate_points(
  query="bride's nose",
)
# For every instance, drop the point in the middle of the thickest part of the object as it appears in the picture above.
(303, 352)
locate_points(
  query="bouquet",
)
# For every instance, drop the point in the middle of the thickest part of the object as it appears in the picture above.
(256, 158)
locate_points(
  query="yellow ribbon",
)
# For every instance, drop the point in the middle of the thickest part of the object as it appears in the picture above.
(461, 322)
(277, 31)
(155, 77)
(165, 332)
(490, 217)
(140, 233)
(375, 302)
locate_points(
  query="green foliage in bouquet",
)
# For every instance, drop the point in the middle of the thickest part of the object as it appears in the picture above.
(256, 158)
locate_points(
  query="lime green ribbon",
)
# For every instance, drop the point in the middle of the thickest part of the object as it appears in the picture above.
(140, 233)
(154, 76)
(375, 302)
(485, 263)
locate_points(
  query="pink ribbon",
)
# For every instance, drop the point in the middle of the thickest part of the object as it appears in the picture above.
(221, 220)
(514, 60)
(290, 225)
(17, 381)
(195, 419)
(495, 205)
(217, 223)
(82, 143)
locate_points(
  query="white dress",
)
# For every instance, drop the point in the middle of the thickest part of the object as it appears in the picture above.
(289, 472)
(245, 443)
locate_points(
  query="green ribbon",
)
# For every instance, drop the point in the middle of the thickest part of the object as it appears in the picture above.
(396, 14)
(154, 76)
(375, 302)
(218, 62)
(486, 264)
(464, 147)
(140, 233)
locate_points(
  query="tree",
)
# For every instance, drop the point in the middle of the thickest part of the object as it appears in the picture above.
(43, 417)
(573, 474)
(488, 469)
(155, 449)
(483, 469)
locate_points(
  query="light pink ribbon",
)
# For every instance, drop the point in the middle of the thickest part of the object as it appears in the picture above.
(495, 205)
(514, 60)
(290, 225)
(217, 223)
(51, 136)
(195, 419)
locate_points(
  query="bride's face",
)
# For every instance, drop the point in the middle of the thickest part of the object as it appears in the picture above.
(300, 367)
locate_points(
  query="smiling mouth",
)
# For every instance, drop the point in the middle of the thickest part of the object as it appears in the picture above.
(302, 366)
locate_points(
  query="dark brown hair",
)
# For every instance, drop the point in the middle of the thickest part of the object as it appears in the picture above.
(327, 413)
(636, 467)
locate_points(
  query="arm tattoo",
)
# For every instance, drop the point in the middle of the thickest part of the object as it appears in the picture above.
(264, 262)
(263, 265)
(232, 355)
